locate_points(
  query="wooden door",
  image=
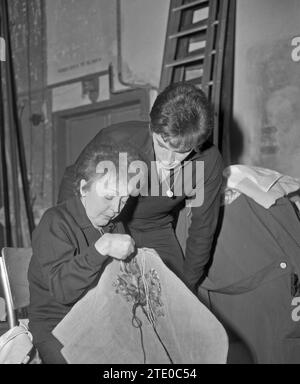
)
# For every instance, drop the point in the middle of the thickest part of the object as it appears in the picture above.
(75, 129)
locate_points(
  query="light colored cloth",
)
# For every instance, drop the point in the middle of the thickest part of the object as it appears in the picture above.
(103, 327)
(264, 186)
(15, 345)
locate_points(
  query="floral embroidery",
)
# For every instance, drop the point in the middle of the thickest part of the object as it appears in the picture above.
(140, 289)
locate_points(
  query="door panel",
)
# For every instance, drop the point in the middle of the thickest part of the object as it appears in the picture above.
(132, 112)
(81, 130)
(76, 128)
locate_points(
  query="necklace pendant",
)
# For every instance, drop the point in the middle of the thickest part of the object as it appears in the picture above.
(170, 193)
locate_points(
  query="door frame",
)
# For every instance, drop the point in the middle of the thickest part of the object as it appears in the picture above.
(61, 118)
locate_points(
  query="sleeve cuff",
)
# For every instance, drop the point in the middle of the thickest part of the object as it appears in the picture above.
(94, 258)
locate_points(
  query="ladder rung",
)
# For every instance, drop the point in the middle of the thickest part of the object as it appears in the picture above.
(187, 60)
(189, 5)
(188, 32)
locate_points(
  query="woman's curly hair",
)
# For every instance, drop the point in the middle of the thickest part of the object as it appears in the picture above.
(87, 164)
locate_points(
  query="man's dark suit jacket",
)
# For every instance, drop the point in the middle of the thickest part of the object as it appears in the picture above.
(150, 220)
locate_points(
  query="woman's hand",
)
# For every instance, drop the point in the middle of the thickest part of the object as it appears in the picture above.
(115, 245)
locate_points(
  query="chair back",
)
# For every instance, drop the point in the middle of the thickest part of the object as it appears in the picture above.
(14, 263)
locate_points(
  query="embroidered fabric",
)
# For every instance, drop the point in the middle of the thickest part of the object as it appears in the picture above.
(140, 312)
(142, 289)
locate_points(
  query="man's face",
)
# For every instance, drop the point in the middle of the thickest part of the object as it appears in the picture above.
(166, 154)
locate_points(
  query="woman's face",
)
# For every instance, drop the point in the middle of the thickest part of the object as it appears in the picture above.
(102, 203)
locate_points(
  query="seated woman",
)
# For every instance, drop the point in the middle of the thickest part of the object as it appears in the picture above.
(103, 302)
(72, 246)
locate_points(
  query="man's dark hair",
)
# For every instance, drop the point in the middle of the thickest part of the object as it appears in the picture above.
(182, 115)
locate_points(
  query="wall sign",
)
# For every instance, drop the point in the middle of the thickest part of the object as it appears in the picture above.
(81, 39)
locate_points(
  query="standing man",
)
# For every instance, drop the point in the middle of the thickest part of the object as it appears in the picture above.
(177, 135)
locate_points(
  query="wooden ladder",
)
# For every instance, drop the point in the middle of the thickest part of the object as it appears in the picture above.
(194, 48)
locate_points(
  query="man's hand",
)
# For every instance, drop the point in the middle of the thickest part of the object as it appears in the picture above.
(115, 245)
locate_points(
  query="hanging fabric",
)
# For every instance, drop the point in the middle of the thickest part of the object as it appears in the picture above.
(16, 150)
